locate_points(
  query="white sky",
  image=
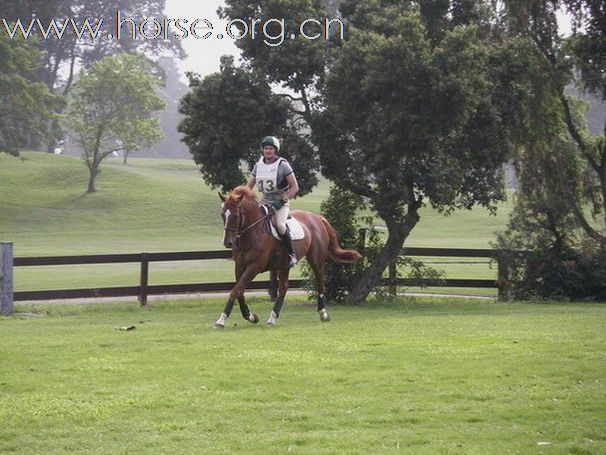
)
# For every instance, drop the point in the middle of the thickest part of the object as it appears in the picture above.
(202, 54)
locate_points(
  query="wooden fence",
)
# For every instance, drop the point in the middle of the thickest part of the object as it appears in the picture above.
(144, 289)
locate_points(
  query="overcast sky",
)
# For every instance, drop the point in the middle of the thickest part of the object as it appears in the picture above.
(202, 54)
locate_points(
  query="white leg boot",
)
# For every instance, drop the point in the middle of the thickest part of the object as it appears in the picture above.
(220, 323)
(273, 317)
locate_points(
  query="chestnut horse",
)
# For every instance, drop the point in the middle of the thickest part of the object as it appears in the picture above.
(255, 250)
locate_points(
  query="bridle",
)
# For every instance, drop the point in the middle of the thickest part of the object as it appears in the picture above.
(239, 231)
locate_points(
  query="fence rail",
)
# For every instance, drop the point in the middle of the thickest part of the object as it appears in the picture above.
(144, 289)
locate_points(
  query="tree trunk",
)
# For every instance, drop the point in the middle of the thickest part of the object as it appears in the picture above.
(91, 179)
(397, 234)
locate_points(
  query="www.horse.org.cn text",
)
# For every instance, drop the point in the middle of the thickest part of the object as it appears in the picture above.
(272, 32)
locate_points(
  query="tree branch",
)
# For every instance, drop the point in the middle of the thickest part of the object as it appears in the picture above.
(307, 114)
(292, 98)
(550, 62)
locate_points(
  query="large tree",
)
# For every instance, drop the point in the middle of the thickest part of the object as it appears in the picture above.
(559, 212)
(226, 115)
(561, 62)
(421, 120)
(112, 108)
(25, 105)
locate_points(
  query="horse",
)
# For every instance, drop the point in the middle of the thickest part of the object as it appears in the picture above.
(246, 227)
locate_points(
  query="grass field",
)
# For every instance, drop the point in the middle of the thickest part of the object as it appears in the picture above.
(424, 377)
(159, 205)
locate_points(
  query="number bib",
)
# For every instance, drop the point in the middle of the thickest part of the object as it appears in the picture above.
(267, 177)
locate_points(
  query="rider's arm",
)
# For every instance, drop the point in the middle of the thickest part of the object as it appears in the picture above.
(251, 182)
(293, 186)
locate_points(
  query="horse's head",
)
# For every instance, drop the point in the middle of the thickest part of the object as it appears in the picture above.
(234, 213)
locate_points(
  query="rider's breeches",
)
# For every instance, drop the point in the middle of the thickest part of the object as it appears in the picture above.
(281, 216)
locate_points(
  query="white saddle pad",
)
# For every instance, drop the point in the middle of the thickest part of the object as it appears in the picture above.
(295, 228)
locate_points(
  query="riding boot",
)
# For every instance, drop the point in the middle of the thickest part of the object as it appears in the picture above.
(292, 258)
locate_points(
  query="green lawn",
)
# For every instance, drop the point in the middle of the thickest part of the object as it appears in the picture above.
(159, 205)
(424, 377)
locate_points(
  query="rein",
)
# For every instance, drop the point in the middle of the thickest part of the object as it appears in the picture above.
(239, 231)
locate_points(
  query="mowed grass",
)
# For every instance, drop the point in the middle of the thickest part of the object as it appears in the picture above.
(414, 377)
(160, 205)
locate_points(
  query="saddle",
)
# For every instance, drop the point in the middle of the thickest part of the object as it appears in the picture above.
(293, 225)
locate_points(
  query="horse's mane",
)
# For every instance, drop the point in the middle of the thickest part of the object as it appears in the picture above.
(243, 192)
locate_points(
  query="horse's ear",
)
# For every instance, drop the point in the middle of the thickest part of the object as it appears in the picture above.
(221, 197)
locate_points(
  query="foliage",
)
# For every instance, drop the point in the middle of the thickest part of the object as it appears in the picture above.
(559, 214)
(62, 56)
(418, 120)
(63, 52)
(555, 265)
(111, 109)
(295, 63)
(226, 115)
(561, 129)
(342, 209)
(25, 105)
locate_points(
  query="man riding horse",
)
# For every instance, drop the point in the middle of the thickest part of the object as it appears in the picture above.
(255, 249)
(276, 180)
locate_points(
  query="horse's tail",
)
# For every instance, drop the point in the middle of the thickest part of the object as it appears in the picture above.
(335, 251)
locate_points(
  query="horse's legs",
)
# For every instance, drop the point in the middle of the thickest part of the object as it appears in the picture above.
(243, 279)
(246, 314)
(318, 268)
(282, 288)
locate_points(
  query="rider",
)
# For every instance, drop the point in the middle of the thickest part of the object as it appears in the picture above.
(276, 180)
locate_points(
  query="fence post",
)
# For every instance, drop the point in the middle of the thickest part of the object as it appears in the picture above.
(6, 278)
(362, 240)
(144, 279)
(502, 276)
(393, 289)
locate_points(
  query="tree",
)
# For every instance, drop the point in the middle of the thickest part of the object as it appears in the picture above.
(226, 115)
(111, 109)
(559, 213)
(577, 60)
(25, 105)
(419, 121)
(296, 64)
(62, 56)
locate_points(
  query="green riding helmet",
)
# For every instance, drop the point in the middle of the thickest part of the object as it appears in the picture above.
(271, 140)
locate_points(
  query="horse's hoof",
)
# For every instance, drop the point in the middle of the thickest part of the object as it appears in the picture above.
(324, 316)
(220, 323)
(253, 318)
(272, 319)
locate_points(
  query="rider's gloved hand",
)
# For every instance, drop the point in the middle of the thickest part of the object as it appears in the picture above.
(278, 204)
